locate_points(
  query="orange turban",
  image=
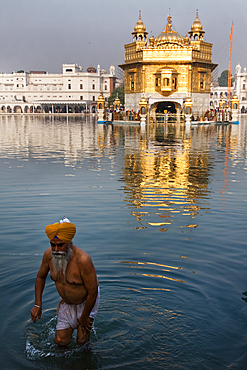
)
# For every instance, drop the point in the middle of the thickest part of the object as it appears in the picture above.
(64, 231)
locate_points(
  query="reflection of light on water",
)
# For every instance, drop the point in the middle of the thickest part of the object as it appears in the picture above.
(166, 290)
(190, 226)
(152, 263)
(163, 277)
(159, 223)
(166, 268)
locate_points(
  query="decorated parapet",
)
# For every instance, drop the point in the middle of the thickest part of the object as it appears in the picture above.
(235, 102)
(101, 102)
(143, 105)
(188, 105)
(116, 103)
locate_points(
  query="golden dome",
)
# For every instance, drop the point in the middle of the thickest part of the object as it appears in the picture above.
(235, 97)
(171, 36)
(196, 25)
(139, 27)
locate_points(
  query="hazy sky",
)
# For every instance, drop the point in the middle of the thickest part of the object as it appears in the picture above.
(44, 34)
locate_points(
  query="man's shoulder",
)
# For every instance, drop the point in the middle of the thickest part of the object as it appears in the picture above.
(81, 254)
(47, 255)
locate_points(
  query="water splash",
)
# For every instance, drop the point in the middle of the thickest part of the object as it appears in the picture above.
(40, 342)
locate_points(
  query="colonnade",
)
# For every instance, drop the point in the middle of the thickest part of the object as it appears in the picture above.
(46, 107)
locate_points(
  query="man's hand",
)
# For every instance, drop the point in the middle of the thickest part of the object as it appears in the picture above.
(36, 312)
(86, 324)
(83, 330)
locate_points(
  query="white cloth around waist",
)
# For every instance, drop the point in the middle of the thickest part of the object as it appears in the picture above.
(69, 314)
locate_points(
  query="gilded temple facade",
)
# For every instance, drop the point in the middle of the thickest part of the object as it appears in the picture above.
(168, 68)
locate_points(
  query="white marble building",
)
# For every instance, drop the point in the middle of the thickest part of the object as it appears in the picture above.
(239, 87)
(73, 90)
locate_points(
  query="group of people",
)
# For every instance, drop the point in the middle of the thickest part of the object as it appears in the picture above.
(74, 275)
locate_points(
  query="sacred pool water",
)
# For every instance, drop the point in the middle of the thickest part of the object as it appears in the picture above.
(161, 210)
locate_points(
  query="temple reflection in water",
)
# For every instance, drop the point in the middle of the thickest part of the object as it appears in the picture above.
(166, 169)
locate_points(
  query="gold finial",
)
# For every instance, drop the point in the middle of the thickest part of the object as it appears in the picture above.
(151, 39)
(197, 14)
(140, 14)
(168, 25)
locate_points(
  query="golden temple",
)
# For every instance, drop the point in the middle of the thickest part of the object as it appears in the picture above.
(167, 69)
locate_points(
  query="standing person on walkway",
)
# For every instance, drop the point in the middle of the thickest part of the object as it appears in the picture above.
(76, 281)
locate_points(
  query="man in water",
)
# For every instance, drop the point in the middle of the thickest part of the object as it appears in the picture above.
(74, 274)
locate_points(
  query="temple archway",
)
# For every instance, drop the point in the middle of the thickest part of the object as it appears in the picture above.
(166, 107)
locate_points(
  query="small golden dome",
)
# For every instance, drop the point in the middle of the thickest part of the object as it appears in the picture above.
(117, 100)
(235, 97)
(143, 100)
(139, 27)
(196, 26)
(188, 100)
(101, 98)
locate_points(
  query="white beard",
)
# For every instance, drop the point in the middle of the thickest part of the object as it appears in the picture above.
(61, 260)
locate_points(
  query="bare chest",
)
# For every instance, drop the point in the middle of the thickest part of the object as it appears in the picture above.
(72, 275)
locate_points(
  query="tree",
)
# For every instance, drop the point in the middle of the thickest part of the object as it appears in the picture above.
(223, 79)
(118, 91)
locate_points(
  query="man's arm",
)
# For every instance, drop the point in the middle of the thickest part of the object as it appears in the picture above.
(36, 311)
(90, 280)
